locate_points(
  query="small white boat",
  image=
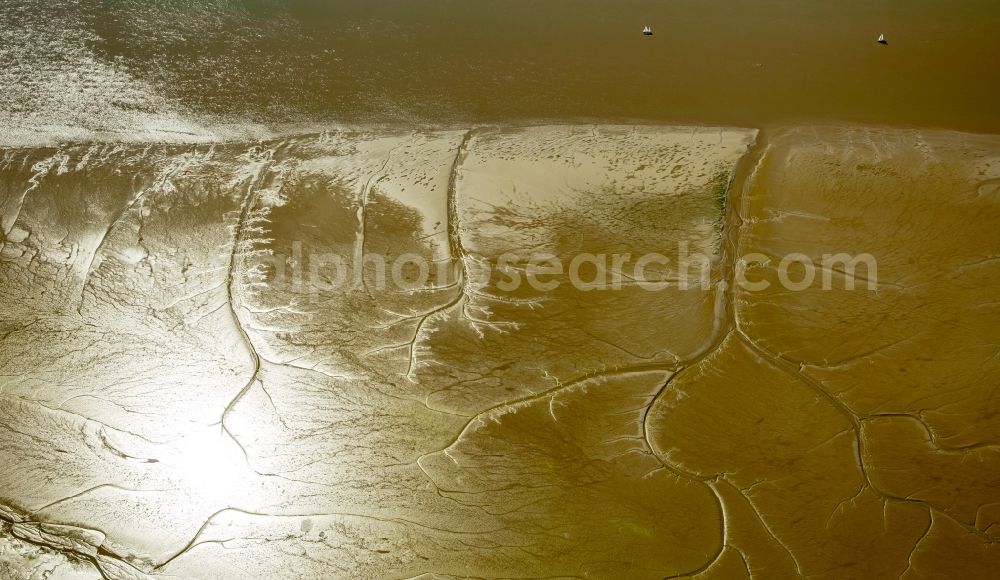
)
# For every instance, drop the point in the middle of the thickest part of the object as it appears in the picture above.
(882, 40)
(646, 30)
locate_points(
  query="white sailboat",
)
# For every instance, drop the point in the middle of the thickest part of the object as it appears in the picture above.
(647, 30)
(882, 40)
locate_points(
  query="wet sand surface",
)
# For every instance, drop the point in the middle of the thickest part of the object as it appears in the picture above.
(205, 373)
(196, 415)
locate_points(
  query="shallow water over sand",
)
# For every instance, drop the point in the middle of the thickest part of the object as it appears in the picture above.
(178, 69)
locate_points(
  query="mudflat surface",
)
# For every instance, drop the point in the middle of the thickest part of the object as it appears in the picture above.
(188, 391)
(221, 355)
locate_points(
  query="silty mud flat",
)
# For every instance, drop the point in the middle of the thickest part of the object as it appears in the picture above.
(170, 409)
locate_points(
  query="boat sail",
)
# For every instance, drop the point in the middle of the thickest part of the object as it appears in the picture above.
(882, 40)
(647, 30)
